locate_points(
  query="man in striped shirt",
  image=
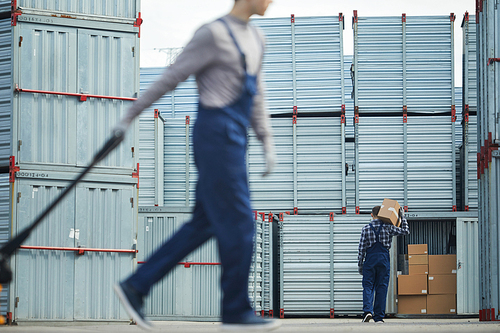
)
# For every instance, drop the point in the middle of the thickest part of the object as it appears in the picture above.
(374, 263)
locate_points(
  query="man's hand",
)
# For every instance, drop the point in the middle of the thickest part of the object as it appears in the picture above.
(360, 270)
(269, 157)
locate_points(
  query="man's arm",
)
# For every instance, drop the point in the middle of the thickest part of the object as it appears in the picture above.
(403, 230)
(362, 251)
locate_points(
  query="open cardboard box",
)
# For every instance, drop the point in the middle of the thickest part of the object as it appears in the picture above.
(389, 212)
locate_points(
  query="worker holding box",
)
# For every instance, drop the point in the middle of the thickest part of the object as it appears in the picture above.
(374, 264)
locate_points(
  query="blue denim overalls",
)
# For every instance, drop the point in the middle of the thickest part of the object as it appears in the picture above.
(376, 271)
(222, 203)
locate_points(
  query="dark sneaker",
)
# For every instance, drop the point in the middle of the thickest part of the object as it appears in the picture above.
(132, 302)
(367, 316)
(381, 321)
(251, 324)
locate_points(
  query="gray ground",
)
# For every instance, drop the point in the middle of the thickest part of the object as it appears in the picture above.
(288, 325)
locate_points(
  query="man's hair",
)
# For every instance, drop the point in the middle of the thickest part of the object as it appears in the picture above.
(375, 210)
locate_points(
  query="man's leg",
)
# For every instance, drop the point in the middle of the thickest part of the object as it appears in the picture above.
(381, 284)
(368, 285)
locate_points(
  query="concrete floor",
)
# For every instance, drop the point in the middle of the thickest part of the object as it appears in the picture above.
(288, 325)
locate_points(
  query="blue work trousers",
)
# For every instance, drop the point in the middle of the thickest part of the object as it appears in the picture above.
(376, 272)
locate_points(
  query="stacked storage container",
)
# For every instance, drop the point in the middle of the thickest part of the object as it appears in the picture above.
(69, 71)
(488, 99)
(404, 102)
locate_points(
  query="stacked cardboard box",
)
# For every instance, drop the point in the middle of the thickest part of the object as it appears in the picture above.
(431, 286)
(412, 288)
(442, 297)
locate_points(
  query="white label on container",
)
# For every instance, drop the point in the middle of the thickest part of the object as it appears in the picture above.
(431, 278)
(147, 228)
(72, 233)
(77, 233)
(453, 271)
(452, 310)
(423, 310)
(424, 291)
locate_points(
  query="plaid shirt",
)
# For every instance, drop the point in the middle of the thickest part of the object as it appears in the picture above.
(368, 237)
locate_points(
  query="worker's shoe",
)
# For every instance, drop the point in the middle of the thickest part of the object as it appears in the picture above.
(252, 323)
(381, 321)
(367, 316)
(132, 301)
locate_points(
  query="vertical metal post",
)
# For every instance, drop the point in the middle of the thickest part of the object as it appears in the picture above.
(342, 123)
(294, 92)
(356, 109)
(187, 160)
(405, 123)
(453, 129)
(282, 309)
(332, 266)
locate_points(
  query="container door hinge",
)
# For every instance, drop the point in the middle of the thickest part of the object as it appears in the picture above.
(132, 202)
(133, 51)
(20, 40)
(19, 144)
(18, 197)
(132, 149)
(17, 301)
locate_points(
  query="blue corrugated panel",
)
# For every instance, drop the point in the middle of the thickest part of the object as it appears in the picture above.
(5, 91)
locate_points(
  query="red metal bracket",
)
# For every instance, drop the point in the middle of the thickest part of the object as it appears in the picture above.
(454, 208)
(342, 118)
(332, 215)
(281, 216)
(453, 114)
(292, 18)
(466, 16)
(271, 314)
(492, 60)
(262, 313)
(270, 219)
(356, 118)
(282, 313)
(332, 313)
(83, 97)
(403, 17)
(344, 210)
(138, 23)
(466, 113)
(156, 113)
(294, 119)
(355, 16)
(295, 211)
(188, 120)
(342, 107)
(405, 208)
(357, 209)
(263, 216)
(14, 12)
(12, 169)
(452, 17)
(341, 17)
(466, 208)
(136, 175)
(9, 318)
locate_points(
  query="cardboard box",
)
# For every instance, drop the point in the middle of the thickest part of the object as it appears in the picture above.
(441, 304)
(443, 264)
(442, 284)
(412, 285)
(412, 304)
(418, 259)
(417, 249)
(418, 269)
(389, 212)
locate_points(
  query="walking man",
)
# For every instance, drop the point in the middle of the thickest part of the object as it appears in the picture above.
(226, 58)
(374, 264)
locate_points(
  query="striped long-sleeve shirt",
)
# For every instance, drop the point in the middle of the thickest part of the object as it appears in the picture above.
(368, 237)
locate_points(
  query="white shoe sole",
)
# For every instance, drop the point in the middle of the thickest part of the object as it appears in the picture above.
(270, 326)
(130, 309)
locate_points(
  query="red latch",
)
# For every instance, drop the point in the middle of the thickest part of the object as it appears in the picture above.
(405, 208)
(270, 217)
(403, 17)
(466, 113)
(344, 210)
(356, 118)
(332, 216)
(281, 216)
(138, 23)
(341, 17)
(355, 16)
(12, 169)
(342, 107)
(282, 313)
(295, 211)
(156, 113)
(136, 175)
(454, 208)
(332, 313)
(271, 314)
(466, 208)
(295, 110)
(187, 265)
(357, 209)
(466, 17)
(294, 119)
(81, 252)
(492, 60)
(453, 114)
(342, 118)
(292, 18)
(188, 120)
(452, 17)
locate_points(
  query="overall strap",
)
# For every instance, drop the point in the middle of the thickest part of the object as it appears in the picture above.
(377, 232)
(235, 43)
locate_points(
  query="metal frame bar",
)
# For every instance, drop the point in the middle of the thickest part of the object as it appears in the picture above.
(76, 249)
(83, 97)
